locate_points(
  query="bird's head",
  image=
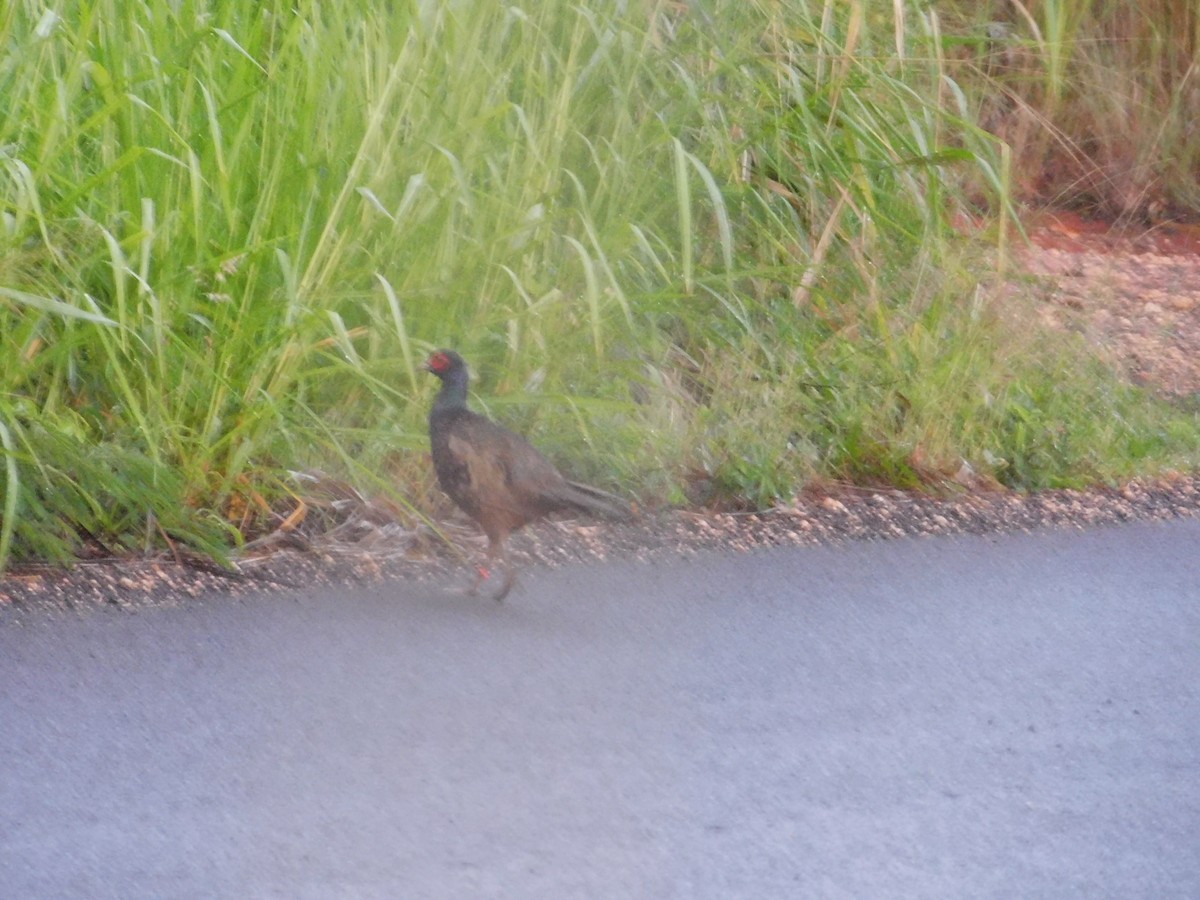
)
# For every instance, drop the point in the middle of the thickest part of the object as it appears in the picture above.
(443, 363)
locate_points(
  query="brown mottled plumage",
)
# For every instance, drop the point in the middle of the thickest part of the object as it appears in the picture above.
(494, 475)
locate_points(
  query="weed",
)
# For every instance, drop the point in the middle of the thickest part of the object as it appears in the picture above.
(675, 244)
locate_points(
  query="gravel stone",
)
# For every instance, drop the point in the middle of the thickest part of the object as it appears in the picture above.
(418, 555)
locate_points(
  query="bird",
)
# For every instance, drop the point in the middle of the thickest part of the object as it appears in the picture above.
(494, 475)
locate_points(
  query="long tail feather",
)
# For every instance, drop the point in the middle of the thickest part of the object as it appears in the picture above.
(598, 502)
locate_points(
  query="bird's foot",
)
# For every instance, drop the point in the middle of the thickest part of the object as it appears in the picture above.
(482, 574)
(509, 580)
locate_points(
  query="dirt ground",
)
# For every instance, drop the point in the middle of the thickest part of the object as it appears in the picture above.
(1135, 295)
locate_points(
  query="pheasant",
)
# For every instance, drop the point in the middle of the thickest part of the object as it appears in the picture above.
(494, 475)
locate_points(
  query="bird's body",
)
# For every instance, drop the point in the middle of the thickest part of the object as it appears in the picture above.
(494, 475)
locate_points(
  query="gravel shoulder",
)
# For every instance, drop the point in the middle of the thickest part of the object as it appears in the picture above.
(398, 555)
(1136, 296)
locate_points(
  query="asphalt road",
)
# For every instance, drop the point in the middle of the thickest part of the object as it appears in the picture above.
(1013, 716)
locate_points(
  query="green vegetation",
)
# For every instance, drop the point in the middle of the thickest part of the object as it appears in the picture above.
(1098, 99)
(710, 244)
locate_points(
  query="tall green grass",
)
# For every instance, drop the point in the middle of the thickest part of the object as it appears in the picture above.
(1099, 100)
(680, 246)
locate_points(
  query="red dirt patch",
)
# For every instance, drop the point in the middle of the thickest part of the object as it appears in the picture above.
(1134, 293)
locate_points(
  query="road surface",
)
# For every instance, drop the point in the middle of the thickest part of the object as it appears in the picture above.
(1006, 716)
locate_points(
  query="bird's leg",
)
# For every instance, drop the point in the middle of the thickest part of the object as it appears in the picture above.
(482, 574)
(498, 550)
(483, 570)
(510, 576)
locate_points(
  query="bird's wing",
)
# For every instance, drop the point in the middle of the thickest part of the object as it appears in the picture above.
(486, 475)
(504, 470)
